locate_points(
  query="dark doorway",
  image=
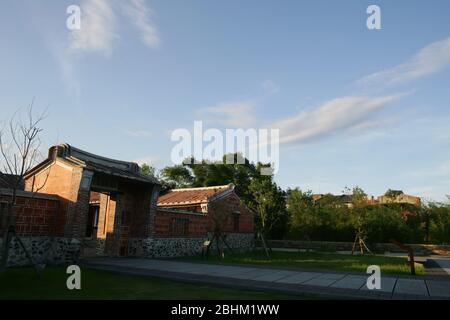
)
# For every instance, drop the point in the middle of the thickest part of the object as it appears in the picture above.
(92, 221)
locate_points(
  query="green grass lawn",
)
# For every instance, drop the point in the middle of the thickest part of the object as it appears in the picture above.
(23, 283)
(330, 261)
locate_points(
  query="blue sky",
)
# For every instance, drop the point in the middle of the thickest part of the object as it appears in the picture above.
(354, 106)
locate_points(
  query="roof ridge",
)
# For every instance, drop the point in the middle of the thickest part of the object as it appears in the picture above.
(225, 186)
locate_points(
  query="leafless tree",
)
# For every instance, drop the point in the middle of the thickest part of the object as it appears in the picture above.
(20, 145)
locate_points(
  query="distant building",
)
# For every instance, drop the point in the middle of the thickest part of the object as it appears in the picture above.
(344, 199)
(398, 196)
(394, 196)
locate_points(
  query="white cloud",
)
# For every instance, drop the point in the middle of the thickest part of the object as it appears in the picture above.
(331, 117)
(270, 86)
(138, 133)
(98, 24)
(429, 60)
(238, 114)
(100, 21)
(139, 15)
(151, 160)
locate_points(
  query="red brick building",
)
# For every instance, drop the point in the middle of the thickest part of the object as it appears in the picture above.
(102, 206)
(197, 205)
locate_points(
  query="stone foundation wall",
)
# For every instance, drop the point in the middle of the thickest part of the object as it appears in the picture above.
(178, 247)
(164, 247)
(237, 241)
(93, 248)
(43, 250)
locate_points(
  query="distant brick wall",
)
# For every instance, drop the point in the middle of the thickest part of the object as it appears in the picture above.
(170, 224)
(37, 216)
(233, 205)
(238, 219)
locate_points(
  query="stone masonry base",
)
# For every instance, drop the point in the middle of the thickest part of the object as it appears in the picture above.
(43, 250)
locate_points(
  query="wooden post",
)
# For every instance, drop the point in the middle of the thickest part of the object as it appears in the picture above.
(410, 252)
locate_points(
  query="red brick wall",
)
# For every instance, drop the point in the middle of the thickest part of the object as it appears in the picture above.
(62, 180)
(38, 216)
(231, 204)
(201, 225)
(197, 224)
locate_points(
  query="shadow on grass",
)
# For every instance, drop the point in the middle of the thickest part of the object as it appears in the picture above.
(23, 283)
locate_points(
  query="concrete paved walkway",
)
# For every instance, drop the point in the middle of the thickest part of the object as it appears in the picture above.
(443, 262)
(286, 280)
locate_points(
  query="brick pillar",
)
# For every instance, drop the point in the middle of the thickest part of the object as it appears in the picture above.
(112, 242)
(152, 212)
(78, 205)
(102, 216)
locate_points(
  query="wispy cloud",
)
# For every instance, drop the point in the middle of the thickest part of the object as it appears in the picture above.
(332, 117)
(139, 14)
(238, 114)
(97, 32)
(99, 24)
(138, 133)
(350, 113)
(429, 60)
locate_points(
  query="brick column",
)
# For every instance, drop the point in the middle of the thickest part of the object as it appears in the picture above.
(112, 242)
(78, 205)
(150, 227)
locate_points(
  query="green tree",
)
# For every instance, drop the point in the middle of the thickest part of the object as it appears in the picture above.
(439, 224)
(148, 170)
(219, 173)
(302, 210)
(269, 204)
(177, 176)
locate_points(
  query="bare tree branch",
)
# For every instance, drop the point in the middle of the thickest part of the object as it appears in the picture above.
(19, 149)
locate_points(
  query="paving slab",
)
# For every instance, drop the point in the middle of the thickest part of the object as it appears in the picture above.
(324, 280)
(331, 276)
(231, 270)
(299, 278)
(439, 289)
(253, 275)
(387, 285)
(411, 286)
(275, 275)
(444, 263)
(350, 282)
(235, 275)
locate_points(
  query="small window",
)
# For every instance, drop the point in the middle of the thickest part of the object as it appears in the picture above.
(179, 227)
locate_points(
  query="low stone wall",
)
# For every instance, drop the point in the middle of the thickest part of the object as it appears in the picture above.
(43, 250)
(237, 241)
(164, 247)
(93, 248)
(178, 247)
(424, 249)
